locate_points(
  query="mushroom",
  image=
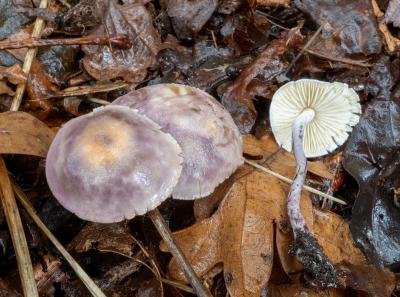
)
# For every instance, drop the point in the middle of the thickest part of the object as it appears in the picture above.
(312, 118)
(113, 164)
(210, 140)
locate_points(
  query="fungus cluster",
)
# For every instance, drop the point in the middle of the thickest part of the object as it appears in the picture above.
(125, 159)
(311, 118)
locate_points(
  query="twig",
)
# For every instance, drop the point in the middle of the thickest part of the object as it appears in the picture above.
(30, 55)
(17, 234)
(121, 41)
(289, 181)
(85, 278)
(176, 251)
(342, 60)
(97, 88)
(293, 62)
(24, 262)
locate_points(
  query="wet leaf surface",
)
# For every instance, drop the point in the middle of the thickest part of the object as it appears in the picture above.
(132, 19)
(188, 17)
(22, 133)
(352, 22)
(372, 158)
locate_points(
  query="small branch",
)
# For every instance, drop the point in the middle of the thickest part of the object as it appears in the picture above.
(121, 41)
(17, 234)
(85, 278)
(30, 55)
(309, 42)
(342, 60)
(289, 181)
(176, 251)
(97, 88)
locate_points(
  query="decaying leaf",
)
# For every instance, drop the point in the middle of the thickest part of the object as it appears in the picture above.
(372, 158)
(132, 19)
(13, 74)
(392, 14)
(104, 238)
(333, 234)
(5, 89)
(238, 100)
(40, 88)
(297, 290)
(353, 22)
(188, 16)
(240, 234)
(266, 151)
(278, 159)
(22, 133)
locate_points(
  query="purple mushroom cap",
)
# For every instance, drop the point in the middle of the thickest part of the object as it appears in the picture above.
(210, 140)
(112, 164)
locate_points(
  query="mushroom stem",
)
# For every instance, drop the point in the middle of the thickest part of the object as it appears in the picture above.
(319, 271)
(176, 251)
(293, 201)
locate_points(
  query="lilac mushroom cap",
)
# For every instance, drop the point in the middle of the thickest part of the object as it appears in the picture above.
(210, 140)
(112, 164)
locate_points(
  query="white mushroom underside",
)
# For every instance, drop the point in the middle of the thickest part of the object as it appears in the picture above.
(336, 107)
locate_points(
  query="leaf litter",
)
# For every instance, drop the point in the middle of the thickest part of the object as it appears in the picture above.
(240, 51)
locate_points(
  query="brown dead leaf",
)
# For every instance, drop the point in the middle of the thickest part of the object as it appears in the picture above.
(5, 89)
(104, 238)
(239, 234)
(132, 19)
(40, 88)
(333, 234)
(278, 159)
(266, 151)
(22, 133)
(13, 74)
(297, 290)
(238, 99)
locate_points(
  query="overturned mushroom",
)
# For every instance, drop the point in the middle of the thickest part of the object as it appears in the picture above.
(210, 141)
(312, 118)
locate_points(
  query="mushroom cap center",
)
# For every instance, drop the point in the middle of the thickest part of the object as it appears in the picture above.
(104, 146)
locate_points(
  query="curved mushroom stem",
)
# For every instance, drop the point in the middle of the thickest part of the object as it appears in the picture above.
(319, 271)
(296, 218)
(176, 251)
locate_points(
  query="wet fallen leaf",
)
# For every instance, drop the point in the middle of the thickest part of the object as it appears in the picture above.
(372, 158)
(13, 74)
(297, 290)
(47, 273)
(132, 19)
(40, 88)
(333, 234)
(22, 133)
(277, 159)
(104, 238)
(5, 89)
(240, 234)
(392, 14)
(266, 151)
(353, 22)
(188, 16)
(237, 99)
